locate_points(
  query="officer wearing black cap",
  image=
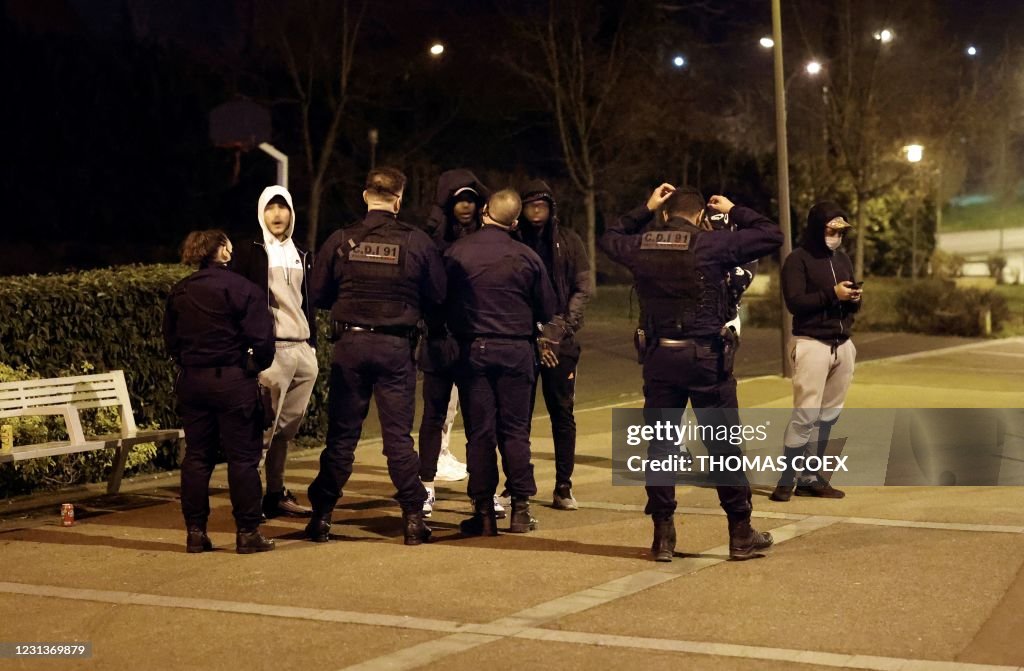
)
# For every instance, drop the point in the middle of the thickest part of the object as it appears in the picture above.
(680, 271)
(218, 329)
(375, 277)
(498, 292)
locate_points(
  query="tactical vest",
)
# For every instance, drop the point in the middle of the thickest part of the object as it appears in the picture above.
(376, 286)
(674, 293)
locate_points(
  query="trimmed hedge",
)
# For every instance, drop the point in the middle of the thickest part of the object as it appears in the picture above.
(935, 307)
(109, 319)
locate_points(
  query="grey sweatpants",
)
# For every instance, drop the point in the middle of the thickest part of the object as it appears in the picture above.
(821, 378)
(290, 379)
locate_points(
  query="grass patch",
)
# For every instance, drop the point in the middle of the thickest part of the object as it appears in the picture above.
(983, 216)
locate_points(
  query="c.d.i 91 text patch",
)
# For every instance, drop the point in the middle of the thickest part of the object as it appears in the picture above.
(375, 252)
(666, 240)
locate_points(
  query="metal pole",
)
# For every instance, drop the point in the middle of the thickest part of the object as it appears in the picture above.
(373, 136)
(782, 150)
(282, 162)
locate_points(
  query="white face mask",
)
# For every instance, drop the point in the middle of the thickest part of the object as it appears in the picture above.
(833, 242)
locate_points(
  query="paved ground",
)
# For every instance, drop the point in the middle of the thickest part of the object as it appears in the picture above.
(888, 578)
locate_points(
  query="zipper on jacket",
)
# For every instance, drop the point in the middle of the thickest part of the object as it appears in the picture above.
(842, 329)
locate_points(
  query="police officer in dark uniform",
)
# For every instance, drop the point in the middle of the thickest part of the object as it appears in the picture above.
(680, 271)
(218, 329)
(376, 278)
(498, 292)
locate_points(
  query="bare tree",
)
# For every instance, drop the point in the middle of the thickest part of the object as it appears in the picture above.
(582, 56)
(317, 41)
(875, 98)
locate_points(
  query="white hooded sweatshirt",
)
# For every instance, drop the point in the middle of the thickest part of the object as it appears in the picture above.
(284, 273)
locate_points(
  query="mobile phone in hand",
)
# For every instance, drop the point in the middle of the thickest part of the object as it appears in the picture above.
(857, 285)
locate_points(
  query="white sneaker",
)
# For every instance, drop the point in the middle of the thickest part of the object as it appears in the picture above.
(428, 505)
(450, 469)
(499, 509)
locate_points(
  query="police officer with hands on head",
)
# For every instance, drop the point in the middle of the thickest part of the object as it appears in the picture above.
(218, 329)
(498, 292)
(681, 270)
(375, 277)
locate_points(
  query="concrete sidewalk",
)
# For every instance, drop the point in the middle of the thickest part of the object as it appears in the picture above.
(887, 578)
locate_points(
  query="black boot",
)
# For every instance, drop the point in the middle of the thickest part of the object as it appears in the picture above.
(664, 544)
(483, 522)
(248, 541)
(416, 530)
(319, 528)
(744, 540)
(521, 521)
(198, 541)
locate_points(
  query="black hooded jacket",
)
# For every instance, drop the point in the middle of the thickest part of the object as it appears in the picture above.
(566, 260)
(441, 350)
(809, 276)
(441, 226)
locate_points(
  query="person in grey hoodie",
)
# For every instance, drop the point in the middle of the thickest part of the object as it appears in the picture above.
(281, 268)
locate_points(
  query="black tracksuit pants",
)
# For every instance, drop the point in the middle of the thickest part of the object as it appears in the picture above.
(220, 412)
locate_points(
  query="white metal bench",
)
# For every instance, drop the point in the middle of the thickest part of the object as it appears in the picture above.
(66, 396)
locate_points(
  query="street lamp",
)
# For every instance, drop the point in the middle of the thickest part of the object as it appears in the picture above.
(813, 68)
(766, 42)
(782, 162)
(915, 153)
(972, 50)
(884, 35)
(679, 61)
(436, 49)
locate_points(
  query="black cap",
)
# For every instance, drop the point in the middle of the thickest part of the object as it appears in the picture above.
(279, 200)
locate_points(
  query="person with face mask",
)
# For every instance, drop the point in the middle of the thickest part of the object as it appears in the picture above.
(219, 331)
(820, 291)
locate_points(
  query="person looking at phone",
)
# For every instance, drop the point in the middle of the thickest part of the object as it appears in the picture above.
(820, 292)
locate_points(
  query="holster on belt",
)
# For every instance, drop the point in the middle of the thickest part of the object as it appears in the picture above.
(727, 357)
(640, 342)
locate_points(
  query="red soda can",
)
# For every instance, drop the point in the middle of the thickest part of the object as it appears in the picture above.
(67, 515)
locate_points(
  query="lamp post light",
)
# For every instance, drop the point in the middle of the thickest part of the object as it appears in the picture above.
(679, 61)
(813, 68)
(782, 156)
(766, 42)
(436, 49)
(972, 50)
(885, 36)
(915, 153)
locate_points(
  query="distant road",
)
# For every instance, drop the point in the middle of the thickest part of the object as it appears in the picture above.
(982, 243)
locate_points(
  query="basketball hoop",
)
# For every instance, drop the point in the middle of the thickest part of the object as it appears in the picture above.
(242, 125)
